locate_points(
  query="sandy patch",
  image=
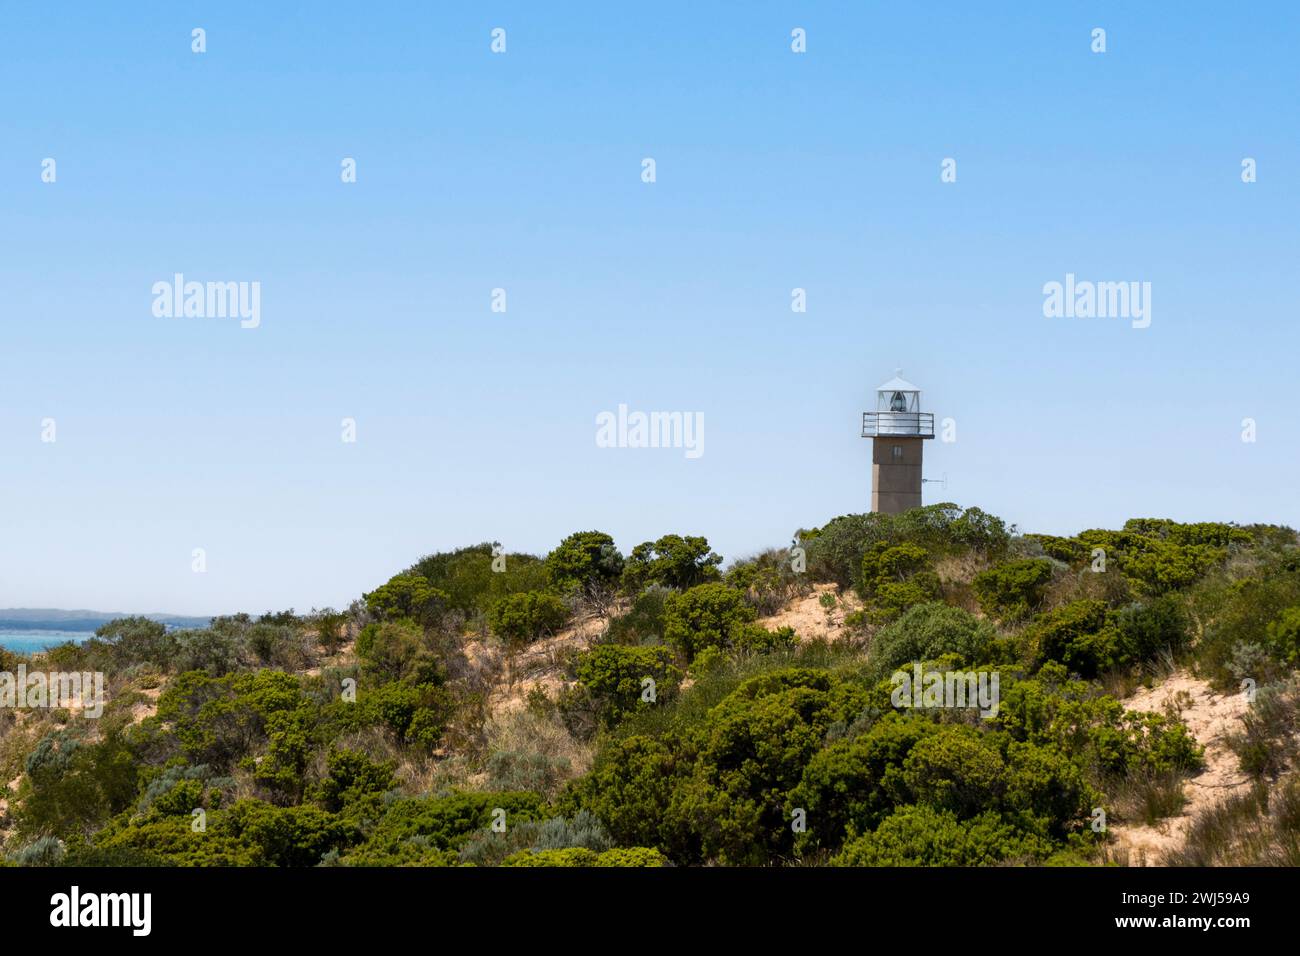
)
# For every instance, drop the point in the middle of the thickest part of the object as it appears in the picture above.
(146, 708)
(1211, 718)
(541, 664)
(809, 619)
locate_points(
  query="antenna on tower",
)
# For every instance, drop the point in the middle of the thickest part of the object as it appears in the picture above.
(937, 481)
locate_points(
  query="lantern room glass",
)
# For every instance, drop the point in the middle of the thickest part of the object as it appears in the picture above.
(898, 401)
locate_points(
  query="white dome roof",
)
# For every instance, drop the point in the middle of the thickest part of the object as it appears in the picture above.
(897, 384)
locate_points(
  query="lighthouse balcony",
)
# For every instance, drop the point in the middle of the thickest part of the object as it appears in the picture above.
(901, 424)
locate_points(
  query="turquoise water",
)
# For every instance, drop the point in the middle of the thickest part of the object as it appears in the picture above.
(27, 642)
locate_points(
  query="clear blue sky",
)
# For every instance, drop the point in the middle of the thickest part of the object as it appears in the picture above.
(522, 171)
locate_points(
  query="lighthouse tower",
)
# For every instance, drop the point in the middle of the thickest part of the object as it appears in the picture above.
(897, 429)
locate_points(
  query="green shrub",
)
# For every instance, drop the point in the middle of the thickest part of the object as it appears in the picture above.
(1213, 533)
(218, 721)
(708, 615)
(397, 650)
(1158, 557)
(752, 752)
(72, 785)
(851, 785)
(138, 640)
(578, 856)
(522, 618)
(287, 836)
(1046, 786)
(415, 713)
(428, 831)
(179, 790)
(407, 595)
(331, 629)
(1012, 590)
(1094, 729)
(1283, 636)
(1144, 629)
(923, 836)
(929, 631)
(1236, 613)
(896, 578)
(756, 639)
(216, 650)
(570, 856)
(672, 561)
(172, 841)
(1078, 636)
(768, 580)
(1066, 550)
(835, 551)
(476, 577)
(587, 562)
(350, 777)
(957, 770)
(611, 680)
(631, 786)
(644, 621)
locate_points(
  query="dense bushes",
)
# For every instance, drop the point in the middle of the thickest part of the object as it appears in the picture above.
(672, 561)
(835, 551)
(923, 836)
(1076, 635)
(929, 631)
(814, 745)
(523, 618)
(644, 620)
(427, 832)
(580, 856)
(1095, 730)
(71, 785)
(1161, 556)
(1012, 590)
(1248, 621)
(138, 640)
(614, 680)
(1090, 638)
(587, 562)
(407, 596)
(775, 750)
(768, 580)
(1145, 628)
(1282, 636)
(477, 577)
(851, 785)
(897, 577)
(394, 651)
(708, 615)
(352, 777)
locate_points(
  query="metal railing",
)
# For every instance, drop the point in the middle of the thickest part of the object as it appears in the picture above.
(903, 424)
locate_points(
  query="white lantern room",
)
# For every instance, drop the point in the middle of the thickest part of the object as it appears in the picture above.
(898, 412)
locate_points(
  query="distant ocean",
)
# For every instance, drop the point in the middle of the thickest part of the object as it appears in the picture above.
(30, 641)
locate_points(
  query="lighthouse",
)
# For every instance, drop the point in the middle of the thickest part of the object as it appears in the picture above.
(897, 429)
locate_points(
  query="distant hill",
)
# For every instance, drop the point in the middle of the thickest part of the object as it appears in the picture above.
(56, 619)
